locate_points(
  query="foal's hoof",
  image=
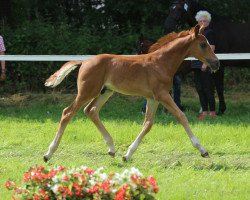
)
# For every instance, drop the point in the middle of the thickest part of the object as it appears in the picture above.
(111, 154)
(124, 159)
(205, 155)
(45, 159)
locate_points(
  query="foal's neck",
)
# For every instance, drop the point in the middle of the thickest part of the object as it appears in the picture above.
(172, 55)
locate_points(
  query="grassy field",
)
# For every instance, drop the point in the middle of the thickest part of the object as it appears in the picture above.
(28, 124)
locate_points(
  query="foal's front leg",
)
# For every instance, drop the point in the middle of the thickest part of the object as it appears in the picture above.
(148, 123)
(168, 103)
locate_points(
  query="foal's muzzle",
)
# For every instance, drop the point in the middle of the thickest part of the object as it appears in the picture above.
(214, 64)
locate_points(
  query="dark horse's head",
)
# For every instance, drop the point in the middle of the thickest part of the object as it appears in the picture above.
(180, 11)
(144, 44)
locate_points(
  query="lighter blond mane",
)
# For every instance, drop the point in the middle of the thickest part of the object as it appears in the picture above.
(169, 38)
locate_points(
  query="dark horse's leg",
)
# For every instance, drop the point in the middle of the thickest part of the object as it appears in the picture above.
(219, 85)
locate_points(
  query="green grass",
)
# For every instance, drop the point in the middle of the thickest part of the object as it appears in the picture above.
(28, 124)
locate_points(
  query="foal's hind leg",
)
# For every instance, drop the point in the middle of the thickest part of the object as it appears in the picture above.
(67, 114)
(92, 111)
(148, 123)
(168, 102)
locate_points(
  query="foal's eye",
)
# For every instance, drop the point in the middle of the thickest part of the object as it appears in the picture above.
(203, 45)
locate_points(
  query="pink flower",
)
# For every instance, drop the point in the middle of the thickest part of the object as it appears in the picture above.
(61, 168)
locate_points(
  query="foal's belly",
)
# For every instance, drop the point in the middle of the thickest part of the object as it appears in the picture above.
(131, 89)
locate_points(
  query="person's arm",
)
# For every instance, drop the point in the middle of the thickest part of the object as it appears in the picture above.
(211, 39)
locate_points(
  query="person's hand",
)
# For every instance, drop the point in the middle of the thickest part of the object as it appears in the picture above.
(3, 76)
(204, 67)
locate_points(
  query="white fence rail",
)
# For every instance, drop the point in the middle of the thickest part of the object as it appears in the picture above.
(228, 56)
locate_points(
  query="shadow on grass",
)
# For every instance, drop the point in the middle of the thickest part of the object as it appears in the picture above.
(214, 163)
(49, 107)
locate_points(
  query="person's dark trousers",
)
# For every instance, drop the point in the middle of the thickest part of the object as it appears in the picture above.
(219, 85)
(205, 89)
(143, 109)
(176, 93)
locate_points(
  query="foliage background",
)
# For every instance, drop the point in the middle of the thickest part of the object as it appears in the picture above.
(33, 27)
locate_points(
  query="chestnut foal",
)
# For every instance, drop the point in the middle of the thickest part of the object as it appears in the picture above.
(149, 75)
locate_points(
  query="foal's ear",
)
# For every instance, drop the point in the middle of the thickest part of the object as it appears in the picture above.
(196, 30)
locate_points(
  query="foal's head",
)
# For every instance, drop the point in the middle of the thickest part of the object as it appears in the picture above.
(201, 49)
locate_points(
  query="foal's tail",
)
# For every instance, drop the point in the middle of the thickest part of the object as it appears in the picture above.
(56, 78)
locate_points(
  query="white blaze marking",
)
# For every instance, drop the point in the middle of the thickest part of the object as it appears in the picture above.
(185, 7)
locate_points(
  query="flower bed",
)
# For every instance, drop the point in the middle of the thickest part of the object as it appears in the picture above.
(83, 183)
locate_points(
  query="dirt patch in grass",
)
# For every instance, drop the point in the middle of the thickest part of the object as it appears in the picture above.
(25, 99)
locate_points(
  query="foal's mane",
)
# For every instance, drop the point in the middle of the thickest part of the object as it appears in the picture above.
(169, 38)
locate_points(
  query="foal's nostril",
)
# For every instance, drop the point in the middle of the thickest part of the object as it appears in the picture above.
(215, 65)
(218, 63)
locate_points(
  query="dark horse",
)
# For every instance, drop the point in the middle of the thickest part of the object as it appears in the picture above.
(231, 37)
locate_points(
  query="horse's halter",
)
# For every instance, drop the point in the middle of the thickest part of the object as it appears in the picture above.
(143, 46)
(140, 48)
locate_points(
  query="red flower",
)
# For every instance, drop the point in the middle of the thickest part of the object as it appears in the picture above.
(9, 184)
(94, 189)
(134, 178)
(41, 168)
(156, 190)
(46, 197)
(78, 185)
(120, 195)
(42, 191)
(36, 197)
(106, 186)
(65, 178)
(89, 171)
(83, 179)
(26, 177)
(64, 195)
(52, 173)
(125, 186)
(152, 181)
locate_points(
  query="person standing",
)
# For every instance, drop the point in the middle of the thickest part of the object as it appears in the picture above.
(2, 52)
(202, 76)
